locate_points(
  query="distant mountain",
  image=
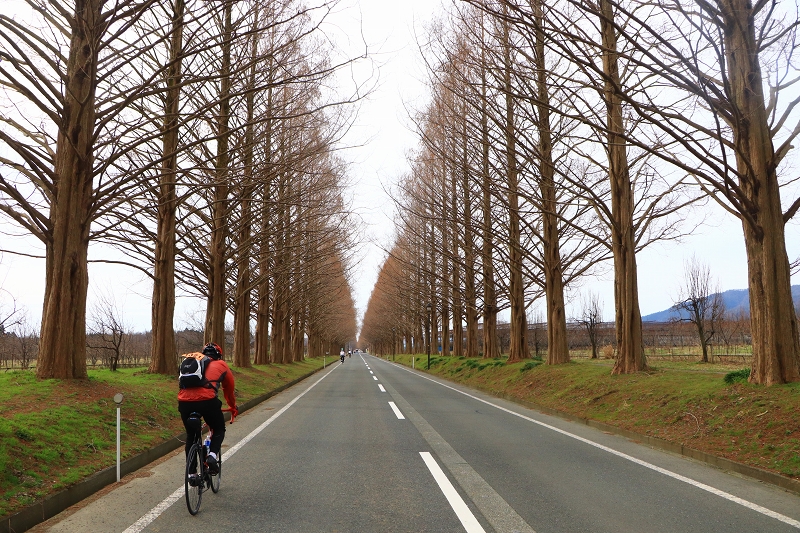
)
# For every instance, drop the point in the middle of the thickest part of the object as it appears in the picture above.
(734, 301)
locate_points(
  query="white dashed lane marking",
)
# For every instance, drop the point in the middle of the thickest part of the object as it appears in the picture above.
(396, 411)
(468, 519)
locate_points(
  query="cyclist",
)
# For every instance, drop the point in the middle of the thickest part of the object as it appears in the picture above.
(341, 355)
(203, 400)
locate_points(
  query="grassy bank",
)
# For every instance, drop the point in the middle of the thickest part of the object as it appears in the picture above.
(54, 433)
(686, 403)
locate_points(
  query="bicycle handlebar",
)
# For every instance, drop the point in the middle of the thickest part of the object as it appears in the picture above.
(230, 410)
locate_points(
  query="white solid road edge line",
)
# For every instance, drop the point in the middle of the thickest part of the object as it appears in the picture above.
(722, 494)
(396, 411)
(463, 513)
(154, 513)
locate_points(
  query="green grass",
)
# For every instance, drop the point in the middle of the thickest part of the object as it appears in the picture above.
(737, 376)
(55, 433)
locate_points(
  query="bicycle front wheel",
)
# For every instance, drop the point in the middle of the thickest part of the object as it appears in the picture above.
(216, 478)
(194, 480)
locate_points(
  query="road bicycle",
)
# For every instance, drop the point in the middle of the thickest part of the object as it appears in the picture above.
(199, 478)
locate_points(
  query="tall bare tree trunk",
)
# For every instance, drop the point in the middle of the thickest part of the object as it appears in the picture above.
(279, 317)
(490, 343)
(242, 300)
(261, 348)
(468, 244)
(470, 294)
(518, 347)
(301, 338)
(447, 260)
(62, 347)
(316, 345)
(297, 337)
(242, 304)
(458, 322)
(557, 348)
(263, 306)
(162, 349)
(418, 305)
(262, 335)
(286, 334)
(280, 307)
(630, 349)
(471, 306)
(776, 349)
(276, 341)
(313, 343)
(772, 315)
(216, 304)
(431, 285)
(275, 355)
(455, 283)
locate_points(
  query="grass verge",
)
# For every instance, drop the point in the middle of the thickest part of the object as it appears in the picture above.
(706, 407)
(54, 433)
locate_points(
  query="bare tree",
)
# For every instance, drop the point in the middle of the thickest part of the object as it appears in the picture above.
(518, 348)
(490, 307)
(11, 314)
(697, 304)
(757, 134)
(27, 342)
(18, 338)
(107, 331)
(537, 332)
(591, 319)
(163, 346)
(630, 351)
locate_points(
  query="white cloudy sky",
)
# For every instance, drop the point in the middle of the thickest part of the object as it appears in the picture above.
(391, 29)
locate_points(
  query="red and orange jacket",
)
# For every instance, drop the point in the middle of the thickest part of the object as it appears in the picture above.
(218, 372)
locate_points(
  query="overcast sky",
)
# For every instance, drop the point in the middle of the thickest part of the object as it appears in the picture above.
(391, 29)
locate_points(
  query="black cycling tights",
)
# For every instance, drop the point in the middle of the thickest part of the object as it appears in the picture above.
(211, 411)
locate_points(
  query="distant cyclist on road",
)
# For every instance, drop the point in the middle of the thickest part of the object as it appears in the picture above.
(203, 400)
(341, 355)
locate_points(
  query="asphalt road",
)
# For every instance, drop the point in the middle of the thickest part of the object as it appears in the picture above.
(368, 446)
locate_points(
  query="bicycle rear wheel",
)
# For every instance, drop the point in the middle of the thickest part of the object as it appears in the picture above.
(216, 478)
(193, 483)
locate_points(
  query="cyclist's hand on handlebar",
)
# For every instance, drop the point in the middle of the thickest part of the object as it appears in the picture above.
(234, 412)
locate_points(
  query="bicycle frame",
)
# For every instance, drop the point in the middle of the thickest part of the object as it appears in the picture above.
(197, 478)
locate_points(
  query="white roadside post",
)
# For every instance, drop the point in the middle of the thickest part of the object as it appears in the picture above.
(118, 400)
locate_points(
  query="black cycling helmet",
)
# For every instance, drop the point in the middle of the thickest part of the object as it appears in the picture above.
(212, 350)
